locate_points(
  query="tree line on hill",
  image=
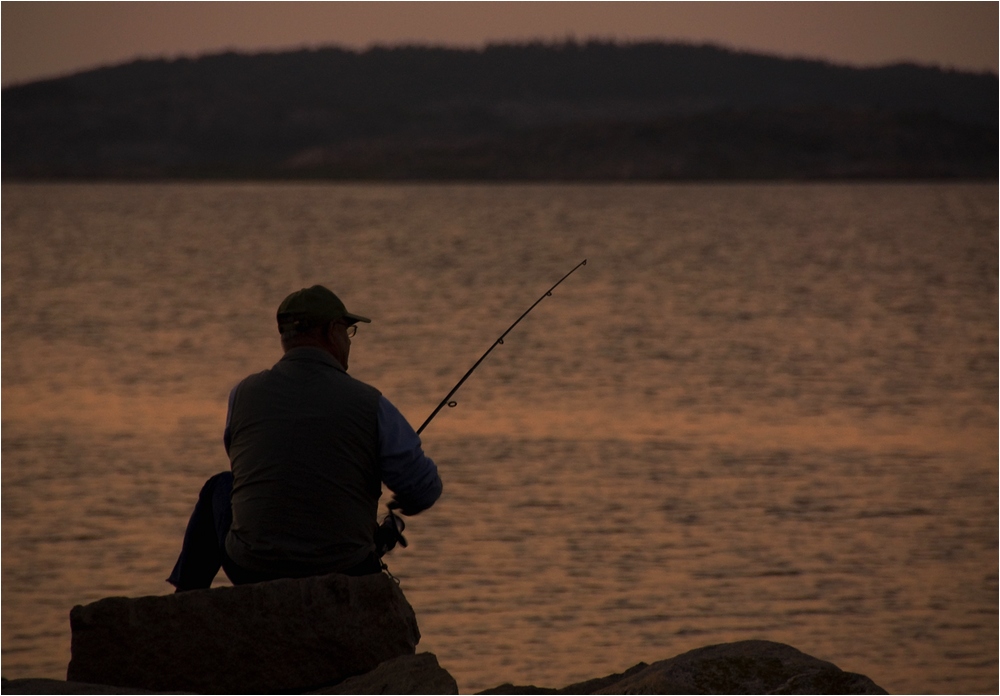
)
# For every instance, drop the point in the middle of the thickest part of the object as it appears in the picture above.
(572, 111)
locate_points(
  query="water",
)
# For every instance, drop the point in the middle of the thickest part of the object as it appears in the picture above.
(760, 411)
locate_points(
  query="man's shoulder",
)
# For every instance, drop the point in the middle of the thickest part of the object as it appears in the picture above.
(249, 380)
(363, 386)
(334, 374)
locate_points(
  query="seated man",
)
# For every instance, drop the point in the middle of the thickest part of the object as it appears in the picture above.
(309, 447)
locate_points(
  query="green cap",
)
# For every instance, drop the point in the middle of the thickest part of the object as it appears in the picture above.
(313, 306)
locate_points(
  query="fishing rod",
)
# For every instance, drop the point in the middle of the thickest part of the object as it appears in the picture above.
(390, 530)
(499, 341)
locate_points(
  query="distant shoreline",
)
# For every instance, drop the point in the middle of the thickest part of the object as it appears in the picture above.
(532, 112)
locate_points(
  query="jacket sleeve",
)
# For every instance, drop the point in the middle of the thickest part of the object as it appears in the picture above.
(410, 474)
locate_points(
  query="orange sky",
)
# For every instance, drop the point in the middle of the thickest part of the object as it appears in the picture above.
(44, 39)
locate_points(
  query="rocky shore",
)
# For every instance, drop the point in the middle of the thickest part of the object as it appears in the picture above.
(746, 667)
(341, 635)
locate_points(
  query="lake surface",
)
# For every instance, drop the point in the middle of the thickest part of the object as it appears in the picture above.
(759, 411)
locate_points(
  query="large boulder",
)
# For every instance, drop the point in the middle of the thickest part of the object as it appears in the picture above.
(406, 674)
(284, 635)
(745, 667)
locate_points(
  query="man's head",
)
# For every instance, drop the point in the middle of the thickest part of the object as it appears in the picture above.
(316, 317)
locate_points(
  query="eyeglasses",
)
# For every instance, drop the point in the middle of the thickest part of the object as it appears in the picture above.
(351, 329)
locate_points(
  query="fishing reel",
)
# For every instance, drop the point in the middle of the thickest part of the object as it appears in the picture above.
(389, 533)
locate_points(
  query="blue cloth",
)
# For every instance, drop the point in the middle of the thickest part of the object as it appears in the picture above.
(406, 470)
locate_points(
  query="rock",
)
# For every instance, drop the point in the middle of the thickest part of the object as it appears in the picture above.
(594, 685)
(409, 674)
(56, 686)
(746, 667)
(586, 687)
(284, 635)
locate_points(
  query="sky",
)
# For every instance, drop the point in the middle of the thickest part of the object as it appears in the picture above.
(49, 39)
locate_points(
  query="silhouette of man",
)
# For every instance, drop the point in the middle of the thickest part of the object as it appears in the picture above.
(309, 447)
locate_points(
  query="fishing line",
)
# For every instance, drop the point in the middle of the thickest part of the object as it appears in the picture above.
(447, 400)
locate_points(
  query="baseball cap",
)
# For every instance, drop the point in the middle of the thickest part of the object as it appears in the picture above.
(311, 307)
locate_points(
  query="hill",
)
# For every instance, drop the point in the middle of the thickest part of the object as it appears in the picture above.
(592, 111)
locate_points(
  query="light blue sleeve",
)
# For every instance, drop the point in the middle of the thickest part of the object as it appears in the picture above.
(410, 474)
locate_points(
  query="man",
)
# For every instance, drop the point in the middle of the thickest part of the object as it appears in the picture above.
(309, 447)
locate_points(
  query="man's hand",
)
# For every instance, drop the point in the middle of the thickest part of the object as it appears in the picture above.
(389, 533)
(394, 504)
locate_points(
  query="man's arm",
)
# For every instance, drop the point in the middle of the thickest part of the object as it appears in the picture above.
(410, 474)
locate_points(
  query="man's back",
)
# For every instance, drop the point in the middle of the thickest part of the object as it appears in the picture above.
(303, 443)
